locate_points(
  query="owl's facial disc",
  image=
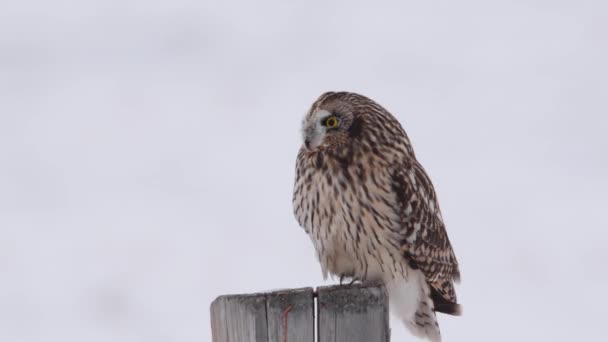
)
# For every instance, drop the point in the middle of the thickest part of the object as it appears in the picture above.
(317, 126)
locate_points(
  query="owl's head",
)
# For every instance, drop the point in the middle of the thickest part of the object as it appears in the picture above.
(333, 120)
(340, 121)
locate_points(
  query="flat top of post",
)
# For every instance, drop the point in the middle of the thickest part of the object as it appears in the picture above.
(356, 296)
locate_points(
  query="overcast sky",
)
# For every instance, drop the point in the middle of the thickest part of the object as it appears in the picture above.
(147, 155)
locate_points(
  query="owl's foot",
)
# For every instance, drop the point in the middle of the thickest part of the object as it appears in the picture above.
(352, 279)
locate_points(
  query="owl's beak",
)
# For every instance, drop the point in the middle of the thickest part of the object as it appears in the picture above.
(309, 134)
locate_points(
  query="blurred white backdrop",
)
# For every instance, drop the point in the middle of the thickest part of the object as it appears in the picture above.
(147, 153)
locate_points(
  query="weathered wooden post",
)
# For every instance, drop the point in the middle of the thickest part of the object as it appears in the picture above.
(354, 313)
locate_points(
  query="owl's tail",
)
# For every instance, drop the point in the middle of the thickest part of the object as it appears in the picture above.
(411, 301)
(443, 305)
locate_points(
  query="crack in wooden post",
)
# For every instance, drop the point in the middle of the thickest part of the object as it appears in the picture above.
(285, 313)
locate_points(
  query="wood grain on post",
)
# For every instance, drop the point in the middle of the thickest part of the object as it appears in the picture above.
(291, 316)
(353, 314)
(281, 316)
(239, 318)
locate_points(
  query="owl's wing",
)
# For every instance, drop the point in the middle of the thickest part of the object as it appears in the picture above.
(425, 243)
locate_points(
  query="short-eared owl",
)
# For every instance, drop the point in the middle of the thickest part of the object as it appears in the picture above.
(371, 210)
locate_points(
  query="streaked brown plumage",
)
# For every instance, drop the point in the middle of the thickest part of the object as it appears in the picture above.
(371, 210)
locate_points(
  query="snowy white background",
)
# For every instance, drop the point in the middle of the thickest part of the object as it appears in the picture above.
(147, 154)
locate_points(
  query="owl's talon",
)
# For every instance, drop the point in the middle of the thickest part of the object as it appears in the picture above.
(353, 279)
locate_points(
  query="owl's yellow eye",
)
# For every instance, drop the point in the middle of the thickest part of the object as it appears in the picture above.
(331, 122)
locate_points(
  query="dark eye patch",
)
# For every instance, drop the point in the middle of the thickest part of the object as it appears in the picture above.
(356, 128)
